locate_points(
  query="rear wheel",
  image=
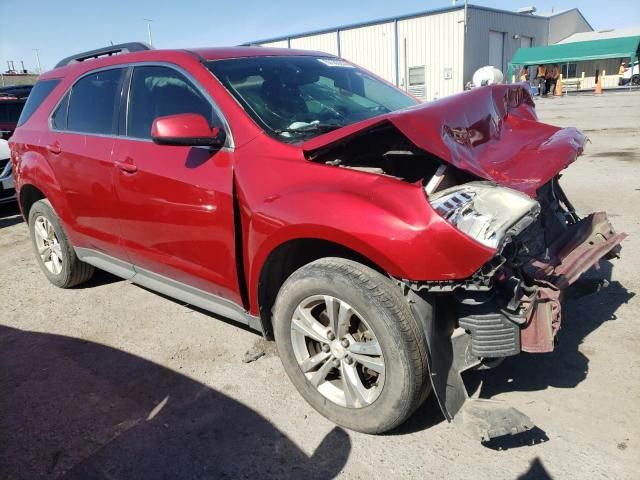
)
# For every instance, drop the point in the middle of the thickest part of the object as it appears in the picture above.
(635, 80)
(350, 345)
(54, 252)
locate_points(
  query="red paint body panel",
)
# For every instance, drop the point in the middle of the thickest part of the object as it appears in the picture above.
(176, 213)
(170, 209)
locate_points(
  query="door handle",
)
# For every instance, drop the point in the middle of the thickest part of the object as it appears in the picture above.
(127, 167)
(54, 148)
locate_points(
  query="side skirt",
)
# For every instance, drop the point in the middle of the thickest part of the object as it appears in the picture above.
(171, 288)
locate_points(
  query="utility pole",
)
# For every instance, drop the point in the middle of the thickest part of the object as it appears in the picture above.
(149, 20)
(38, 59)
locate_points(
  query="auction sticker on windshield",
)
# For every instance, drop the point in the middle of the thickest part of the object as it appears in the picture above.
(335, 62)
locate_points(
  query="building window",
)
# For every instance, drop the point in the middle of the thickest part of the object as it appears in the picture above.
(417, 82)
(569, 70)
(416, 76)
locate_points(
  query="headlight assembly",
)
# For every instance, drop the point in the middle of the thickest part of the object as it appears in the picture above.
(484, 211)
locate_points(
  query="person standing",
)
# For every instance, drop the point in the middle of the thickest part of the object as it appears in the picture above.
(621, 80)
(551, 78)
(540, 80)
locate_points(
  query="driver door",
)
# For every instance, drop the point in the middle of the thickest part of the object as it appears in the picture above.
(175, 202)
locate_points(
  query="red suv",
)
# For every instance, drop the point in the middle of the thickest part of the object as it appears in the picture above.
(386, 245)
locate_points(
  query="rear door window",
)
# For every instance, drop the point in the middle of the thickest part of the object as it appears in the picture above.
(94, 102)
(158, 91)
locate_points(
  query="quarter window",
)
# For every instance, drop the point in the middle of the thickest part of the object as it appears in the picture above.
(158, 91)
(59, 119)
(94, 102)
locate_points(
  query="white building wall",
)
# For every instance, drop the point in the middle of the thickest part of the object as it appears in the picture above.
(276, 44)
(437, 42)
(371, 47)
(565, 24)
(324, 42)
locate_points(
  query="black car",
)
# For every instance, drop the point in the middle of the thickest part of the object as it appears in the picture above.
(18, 91)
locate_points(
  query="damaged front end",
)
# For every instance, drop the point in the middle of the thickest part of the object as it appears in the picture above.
(543, 247)
(514, 302)
(491, 170)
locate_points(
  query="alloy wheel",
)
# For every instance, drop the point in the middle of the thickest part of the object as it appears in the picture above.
(337, 351)
(48, 245)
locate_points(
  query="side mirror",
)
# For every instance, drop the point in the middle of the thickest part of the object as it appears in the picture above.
(186, 129)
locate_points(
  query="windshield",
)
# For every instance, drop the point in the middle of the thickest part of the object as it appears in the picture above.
(296, 98)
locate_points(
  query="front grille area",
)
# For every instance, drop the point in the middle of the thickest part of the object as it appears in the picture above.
(3, 163)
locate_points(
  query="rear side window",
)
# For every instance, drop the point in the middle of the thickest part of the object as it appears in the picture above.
(94, 102)
(158, 91)
(40, 91)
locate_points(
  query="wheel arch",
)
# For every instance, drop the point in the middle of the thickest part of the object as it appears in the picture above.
(29, 194)
(289, 256)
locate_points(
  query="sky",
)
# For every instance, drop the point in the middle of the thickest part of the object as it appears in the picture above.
(59, 28)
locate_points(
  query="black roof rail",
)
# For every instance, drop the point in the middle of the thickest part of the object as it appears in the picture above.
(106, 51)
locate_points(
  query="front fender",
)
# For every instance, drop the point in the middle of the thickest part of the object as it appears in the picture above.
(386, 220)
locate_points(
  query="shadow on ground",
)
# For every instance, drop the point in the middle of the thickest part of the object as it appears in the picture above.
(79, 409)
(9, 215)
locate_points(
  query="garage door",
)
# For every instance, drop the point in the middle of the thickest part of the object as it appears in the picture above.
(496, 49)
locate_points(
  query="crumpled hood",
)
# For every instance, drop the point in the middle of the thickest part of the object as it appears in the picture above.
(491, 132)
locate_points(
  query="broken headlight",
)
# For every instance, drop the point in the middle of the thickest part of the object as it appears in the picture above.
(485, 212)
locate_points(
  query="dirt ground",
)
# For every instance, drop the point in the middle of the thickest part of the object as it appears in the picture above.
(112, 381)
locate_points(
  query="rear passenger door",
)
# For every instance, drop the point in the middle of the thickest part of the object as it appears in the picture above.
(176, 204)
(79, 146)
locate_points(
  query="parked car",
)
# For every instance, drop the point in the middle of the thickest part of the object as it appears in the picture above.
(17, 91)
(7, 190)
(10, 110)
(386, 245)
(631, 74)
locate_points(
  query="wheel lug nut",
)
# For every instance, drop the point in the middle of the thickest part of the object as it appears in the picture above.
(344, 342)
(349, 360)
(325, 348)
(336, 363)
(331, 336)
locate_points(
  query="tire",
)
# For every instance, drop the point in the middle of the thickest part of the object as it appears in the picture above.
(635, 80)
(63, 269)
(376, 310)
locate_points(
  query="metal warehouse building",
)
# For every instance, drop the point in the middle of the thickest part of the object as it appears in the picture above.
(434, 53)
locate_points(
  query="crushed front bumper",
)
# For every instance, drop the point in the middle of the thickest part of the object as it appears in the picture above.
(528, 317)
(520, 310)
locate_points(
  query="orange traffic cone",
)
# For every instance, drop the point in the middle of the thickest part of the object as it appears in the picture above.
(599, 86)
(558, 91)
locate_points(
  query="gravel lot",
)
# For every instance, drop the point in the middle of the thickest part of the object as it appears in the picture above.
(113, 381)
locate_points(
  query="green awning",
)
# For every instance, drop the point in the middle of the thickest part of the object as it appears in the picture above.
(623, 47)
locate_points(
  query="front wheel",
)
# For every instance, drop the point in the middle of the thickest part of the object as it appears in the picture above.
(349, 343)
